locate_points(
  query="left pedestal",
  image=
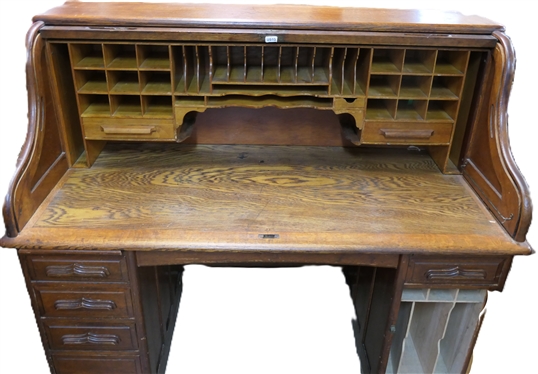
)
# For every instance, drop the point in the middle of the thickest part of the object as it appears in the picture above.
(98, 312)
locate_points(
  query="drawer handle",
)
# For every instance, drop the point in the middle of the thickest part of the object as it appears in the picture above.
(130, 130)
(406, 133)
(455, 272)
(91, 338)
(84, 303)
(77, 270)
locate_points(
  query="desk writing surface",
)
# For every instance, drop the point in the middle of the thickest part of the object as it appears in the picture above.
(210, 197)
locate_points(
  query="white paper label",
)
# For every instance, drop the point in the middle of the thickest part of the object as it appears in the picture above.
(271, 39)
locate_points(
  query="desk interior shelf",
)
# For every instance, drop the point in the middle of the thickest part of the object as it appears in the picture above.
(413, 91)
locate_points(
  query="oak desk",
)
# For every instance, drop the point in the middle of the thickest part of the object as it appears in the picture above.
(291, 242)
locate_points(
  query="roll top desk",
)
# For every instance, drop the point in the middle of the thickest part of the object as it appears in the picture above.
(162, 135)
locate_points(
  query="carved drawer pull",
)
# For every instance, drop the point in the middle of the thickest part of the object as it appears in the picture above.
(131, 130)
(455, 272)
(91, 338)
(77, 270)
(406, 133)
(84, 303)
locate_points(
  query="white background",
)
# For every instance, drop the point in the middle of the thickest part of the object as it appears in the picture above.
(507, 342)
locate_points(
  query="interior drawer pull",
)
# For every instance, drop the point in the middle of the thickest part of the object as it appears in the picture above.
(131, 130)
(406, 133)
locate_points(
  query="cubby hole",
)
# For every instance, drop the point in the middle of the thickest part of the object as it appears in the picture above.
(253, 64)
(156, 82)
(179, 68)
(442, 110)
(125, 105)
(451, 62)
(190, 101)
(415, 86)
(419, 61)
(411, 109)
(94, 105)
(87, 56)
(384, 85)
(153, 57)
(386, 61)
(363, 68)
(378, 109)
(123, 82)
(91, 81)
(120, 56)
(447, 88)
(157, 106)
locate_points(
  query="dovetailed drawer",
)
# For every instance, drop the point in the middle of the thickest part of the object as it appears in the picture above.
(128, 129)
(406, 133)
(85, 302)
(90, 336)
(464, 272)
(78, 268)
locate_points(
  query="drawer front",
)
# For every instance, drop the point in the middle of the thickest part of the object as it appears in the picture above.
(473, 272)
(406, 133)
(76, 335)
(128, 129)
(78, 268)
(109, 303)
(96, 364)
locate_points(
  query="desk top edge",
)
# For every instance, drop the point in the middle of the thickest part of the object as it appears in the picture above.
(265, 17)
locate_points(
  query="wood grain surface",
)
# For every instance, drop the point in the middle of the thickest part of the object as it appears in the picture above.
(283, 16)
(219, 197)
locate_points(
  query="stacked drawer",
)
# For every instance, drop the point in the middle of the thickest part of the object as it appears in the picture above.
(85, 310)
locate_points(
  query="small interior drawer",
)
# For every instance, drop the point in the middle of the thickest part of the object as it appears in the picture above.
(406, 133)
(90, 336)
(128, 129)
(87, 302)
(78, 268)
(479, 272)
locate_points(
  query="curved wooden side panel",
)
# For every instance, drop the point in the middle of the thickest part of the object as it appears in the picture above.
(42, 160)
(489, 165)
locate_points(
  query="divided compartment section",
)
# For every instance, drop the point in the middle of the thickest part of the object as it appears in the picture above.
(156, 82)
(446, 87)
(384, 86)
(378, 109)
(153, 57)
(409, 109)
(125, 106)
(387, 61)
(415, 87)
(451, 62)
(90, 82)
(94, 105)
(442, 110)
(419, 61)
(123, 82)
(157, 106)
(120, 56)
(87, 56)
(435, 330)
